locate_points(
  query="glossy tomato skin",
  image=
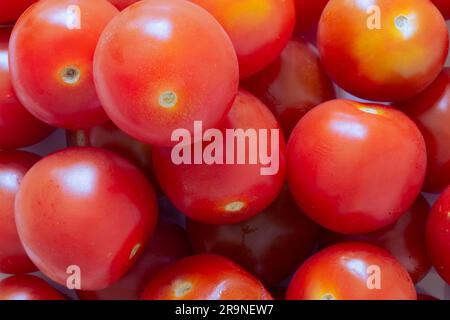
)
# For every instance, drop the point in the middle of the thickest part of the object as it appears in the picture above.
(168, 244)
(122, 4)
(13, 166)
(438, 235)
(353, 47)
(342, 272)
(18, 128)
(404, 239)
(205, 277)
(259, 29)
(11, 10)
(354, 167)
(430, 110)
(308, 14)
(226, 193)
(293, 84)
(27, 287)
(59, 89)
(161, 65)
(443, 6)
(85, 207)
(281, 233)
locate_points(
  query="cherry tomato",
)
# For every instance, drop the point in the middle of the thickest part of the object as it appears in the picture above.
(205, 277)
(168, 244)
(354, 167)
(161, 65)
(13, 166)
(259, 29)
(308, 14)
(430, 110)
(443, 6)
(404, 239)
(27, 287)
(292, 85)
(280, 233)
(122, 4)
(438, 235)
(383, 50)
(52, 70)
(218, 193)
(18, 128)
(351, 271)
(11, 10)
(85, 208)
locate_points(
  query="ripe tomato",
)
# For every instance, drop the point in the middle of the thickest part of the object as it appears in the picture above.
(227, 193)
(204, 277)
(168, 244)
(18, 128)
(351, 271)
(430, 110)
(161, 65)
(389, 61)
(58, 88)
(13, 166)
(122, 4)
(438, 235)
(292, 85)
(404, 239)
(27, 287)
(308, 14)
(443, 6)
(354, 167)
(11, 10)
(259, 29)
(85, 207)
(280, 233)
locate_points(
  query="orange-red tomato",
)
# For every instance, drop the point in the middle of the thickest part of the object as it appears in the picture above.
(383, 50)
(443, 6)
(308, 14)
(12, 9)
(205, 277)
(27, 287)
(351, 271)
(259, 29)
(51, 53)
(354, 167)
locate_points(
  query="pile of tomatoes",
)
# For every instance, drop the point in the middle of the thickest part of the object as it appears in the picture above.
(112, 216)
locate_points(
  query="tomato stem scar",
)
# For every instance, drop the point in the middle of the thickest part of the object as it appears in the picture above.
(70, 75)
(181, 289)
(235, 206)
(328, 296)
(401, 22)
(168, 99)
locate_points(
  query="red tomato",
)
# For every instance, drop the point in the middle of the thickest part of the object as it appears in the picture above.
(13, 166)
(438, 235)
(52, 72)
(443, 6)
(308, 14)
(27, 287)
(430, 110)
(292, 85)
(259, 29)
(383, 50)
(161, 65)
(281, 233)
(351, 271)
(354, 167)
(122, 4)
(12, 9)
(18, 128)
(227, 193)
(168, 244)
(405, 239)
(85, 207)
(205, 277)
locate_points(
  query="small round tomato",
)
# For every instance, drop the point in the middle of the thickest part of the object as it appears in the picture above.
(292, 85)
(351, 271)
(383, 50)
(443, 6)
(122, 4)
(168, 244)
(438, 235)
(161, 65)
(11, 10)
(51, 53)
(27, 287)
(280, 233)
(430, 110)
(205, 277)
(233, 181)
(18, 128)
(404, 239)
(259, 29)
(13, 166)
(85, 209)
(308, 14)
(354, 167)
